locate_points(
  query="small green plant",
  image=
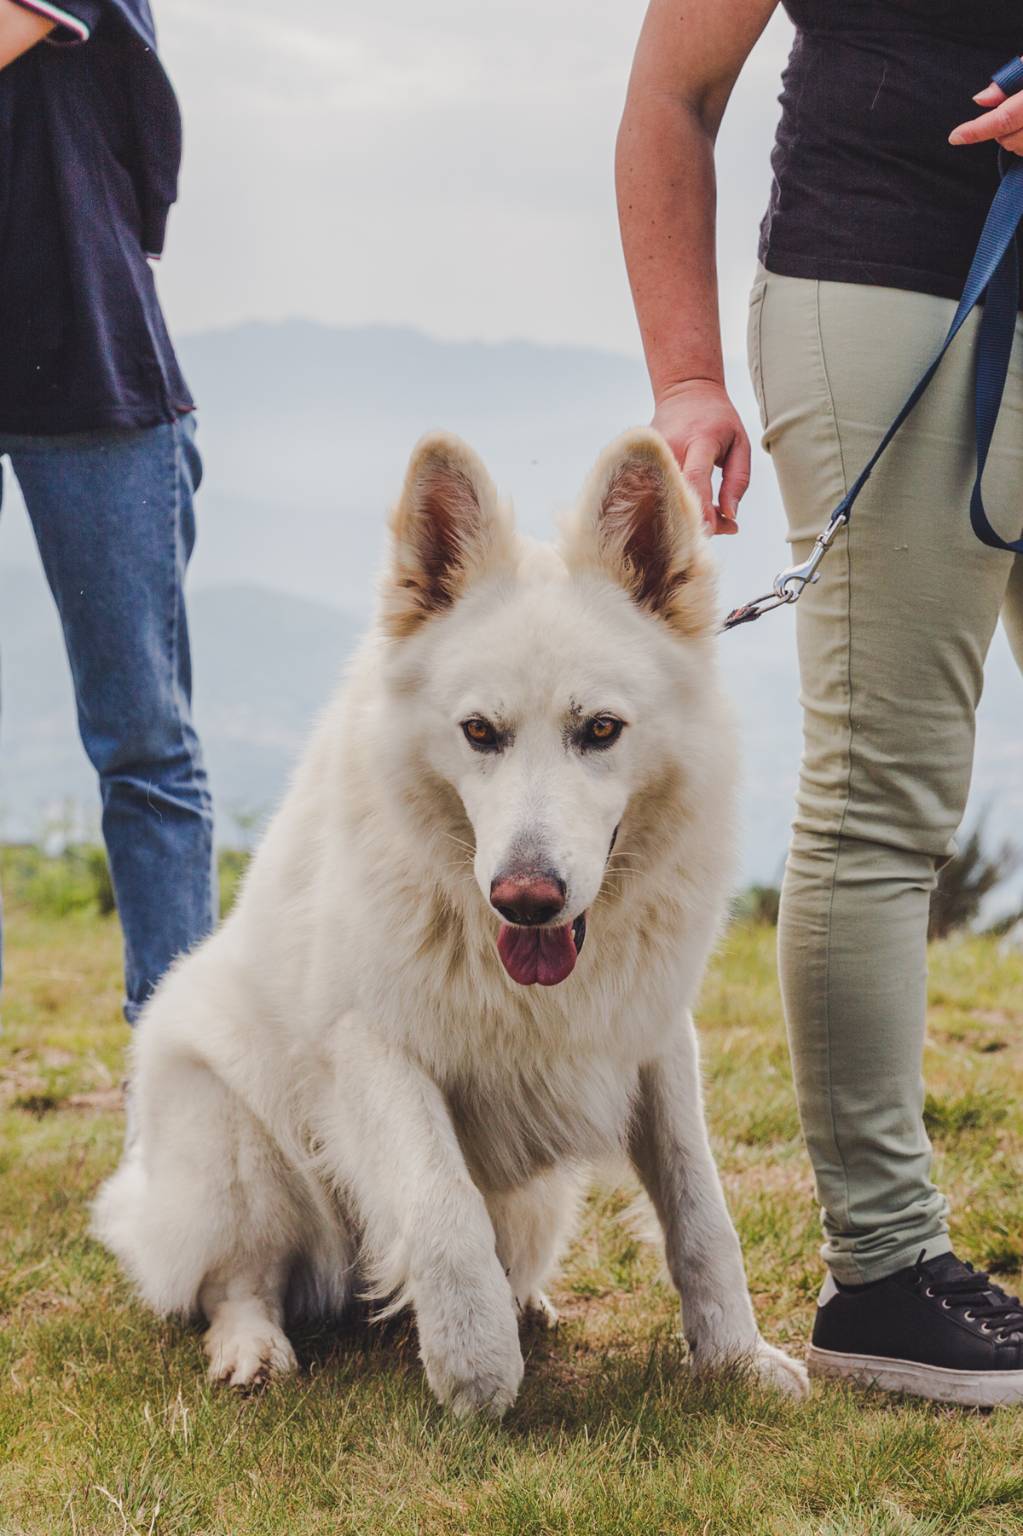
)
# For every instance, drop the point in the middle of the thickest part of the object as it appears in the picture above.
(966, 880)
(969, 1111)
(99, 871)
(78, 879)
(55, 885)
(1004, 924)
(231, 866)
(759, 904)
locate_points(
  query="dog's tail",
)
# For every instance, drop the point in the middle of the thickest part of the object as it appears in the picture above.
(117, 1209)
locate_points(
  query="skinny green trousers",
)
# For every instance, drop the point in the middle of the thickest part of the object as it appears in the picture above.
(892, 643)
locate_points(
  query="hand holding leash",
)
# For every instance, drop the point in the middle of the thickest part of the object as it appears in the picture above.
(1005, 123)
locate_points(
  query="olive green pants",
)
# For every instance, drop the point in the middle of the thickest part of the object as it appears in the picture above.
(892, 643)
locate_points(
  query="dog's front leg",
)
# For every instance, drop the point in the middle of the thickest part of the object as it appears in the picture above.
(671, 1152)
(427, 1231)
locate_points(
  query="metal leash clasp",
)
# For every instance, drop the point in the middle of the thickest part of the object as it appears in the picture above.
(789, 585)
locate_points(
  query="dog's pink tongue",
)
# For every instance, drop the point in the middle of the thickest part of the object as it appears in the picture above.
(546, 955)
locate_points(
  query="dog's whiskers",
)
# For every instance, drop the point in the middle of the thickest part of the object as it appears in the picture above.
(461, 843)
(461, 867)
(621, 866)
(459, 873)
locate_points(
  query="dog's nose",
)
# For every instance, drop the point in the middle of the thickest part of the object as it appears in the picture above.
(528, 899)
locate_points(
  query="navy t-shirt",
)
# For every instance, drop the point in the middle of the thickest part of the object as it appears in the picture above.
(90, 143)
(867, 188)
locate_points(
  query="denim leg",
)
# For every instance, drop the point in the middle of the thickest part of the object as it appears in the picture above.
(114, 520)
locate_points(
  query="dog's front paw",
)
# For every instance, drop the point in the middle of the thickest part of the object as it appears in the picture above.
(471, 1354)
(246, 1354)
(759, 1361)
(771, 1367)
(538, 1311)
(471, 1387)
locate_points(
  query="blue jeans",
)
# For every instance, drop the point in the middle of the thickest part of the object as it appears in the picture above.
(114, 521)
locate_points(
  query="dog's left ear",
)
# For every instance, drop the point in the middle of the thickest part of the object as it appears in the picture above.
(447, 531)
(639, 523)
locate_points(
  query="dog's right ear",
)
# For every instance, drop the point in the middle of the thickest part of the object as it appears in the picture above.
(639, 523)
(447, 531)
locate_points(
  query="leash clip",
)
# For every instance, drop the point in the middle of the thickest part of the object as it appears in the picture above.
(790, 583)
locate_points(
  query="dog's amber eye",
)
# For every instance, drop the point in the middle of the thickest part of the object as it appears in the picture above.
(479, 733)
(602, 730)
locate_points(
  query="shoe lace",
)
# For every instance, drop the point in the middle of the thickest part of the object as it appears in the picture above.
(983, 1300)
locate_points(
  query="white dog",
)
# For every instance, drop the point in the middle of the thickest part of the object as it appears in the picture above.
(390, 1067)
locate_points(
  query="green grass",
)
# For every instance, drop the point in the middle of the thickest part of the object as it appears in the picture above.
(108, 1428)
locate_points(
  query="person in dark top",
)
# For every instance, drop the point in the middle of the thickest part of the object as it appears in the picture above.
(883, 174)
(97, 425)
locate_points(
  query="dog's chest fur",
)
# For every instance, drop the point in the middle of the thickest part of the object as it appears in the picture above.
(518, 1124)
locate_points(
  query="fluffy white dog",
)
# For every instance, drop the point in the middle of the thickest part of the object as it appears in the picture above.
(391, 1066)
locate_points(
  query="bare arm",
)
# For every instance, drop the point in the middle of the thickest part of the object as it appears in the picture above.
(689, 55)
(20, 30)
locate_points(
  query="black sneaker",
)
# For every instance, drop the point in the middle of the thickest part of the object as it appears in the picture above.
(938, 1329)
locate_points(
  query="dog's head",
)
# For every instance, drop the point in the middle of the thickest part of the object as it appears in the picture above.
(550, 688)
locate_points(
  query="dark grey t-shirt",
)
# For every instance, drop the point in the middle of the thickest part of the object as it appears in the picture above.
(866, 187)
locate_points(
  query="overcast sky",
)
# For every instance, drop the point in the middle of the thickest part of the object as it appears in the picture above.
(445, 165)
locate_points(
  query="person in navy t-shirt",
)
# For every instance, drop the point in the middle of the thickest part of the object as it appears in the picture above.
(97, 424)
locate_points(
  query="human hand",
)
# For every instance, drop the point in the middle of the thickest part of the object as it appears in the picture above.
(1004, 123)
(702, 428)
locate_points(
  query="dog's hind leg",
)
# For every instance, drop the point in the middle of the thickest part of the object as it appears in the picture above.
(671, 1152)
(205, 1212)
(248, 1221)
(532, 1224)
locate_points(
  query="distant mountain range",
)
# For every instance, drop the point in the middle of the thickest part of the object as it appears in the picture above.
(305, 432)
(265, 663)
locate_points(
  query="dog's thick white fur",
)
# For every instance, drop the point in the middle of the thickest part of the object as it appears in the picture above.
(346, 1088)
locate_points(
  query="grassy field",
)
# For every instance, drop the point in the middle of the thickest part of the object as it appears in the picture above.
(107, 1424)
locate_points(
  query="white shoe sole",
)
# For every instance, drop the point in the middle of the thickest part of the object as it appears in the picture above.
(975, 1389)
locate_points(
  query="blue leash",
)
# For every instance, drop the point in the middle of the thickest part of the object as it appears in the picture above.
(994, 271)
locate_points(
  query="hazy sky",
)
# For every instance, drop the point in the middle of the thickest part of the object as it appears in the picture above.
(445, 165)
